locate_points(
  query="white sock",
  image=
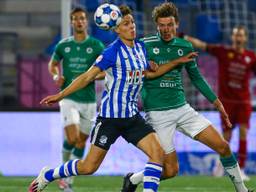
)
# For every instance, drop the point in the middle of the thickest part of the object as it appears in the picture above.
(137, 178)
(235, 176)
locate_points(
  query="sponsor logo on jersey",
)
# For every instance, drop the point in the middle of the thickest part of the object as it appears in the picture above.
(89, 50)
(67, 49)
(156, 50)
(168, 50)
(231, 55)
(180, 52)
(135, 77)
(78, 48)
(99, 58)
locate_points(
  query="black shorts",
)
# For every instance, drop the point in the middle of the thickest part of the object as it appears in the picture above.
(107, 130)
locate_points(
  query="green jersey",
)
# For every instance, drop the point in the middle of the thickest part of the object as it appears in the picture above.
(167, 91)
(78, 57)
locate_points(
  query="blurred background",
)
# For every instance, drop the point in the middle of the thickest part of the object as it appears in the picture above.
(29, 31)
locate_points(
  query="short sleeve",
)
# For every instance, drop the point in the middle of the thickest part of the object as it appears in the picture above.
(57, 56)
(107, 59)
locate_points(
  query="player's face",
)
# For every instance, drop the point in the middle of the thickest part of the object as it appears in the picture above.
(167, 27)
(126, 30)
(79, 22)
(239, 37)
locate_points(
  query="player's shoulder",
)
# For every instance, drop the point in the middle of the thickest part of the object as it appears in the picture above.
(111, 48)
(150, 38)
(94, 40)
(66, 40)
(250, 52)
(181, 42)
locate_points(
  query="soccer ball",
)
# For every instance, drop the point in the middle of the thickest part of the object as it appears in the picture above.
(107, 16)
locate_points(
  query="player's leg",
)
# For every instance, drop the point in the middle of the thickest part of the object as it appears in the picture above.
(70, 121)
(199, 128)
(214, 140)
(153, 168)
(87, 113)
(71, 168)
(242, 150)
(243, 119)
(89, 165)
(164, 124)
(142, 135)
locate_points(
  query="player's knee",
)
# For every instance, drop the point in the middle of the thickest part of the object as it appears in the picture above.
(157, 154)
(170, 171)
(80, 144)
(71, 140)
(224, 149)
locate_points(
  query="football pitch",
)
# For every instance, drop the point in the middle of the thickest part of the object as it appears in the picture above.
(113, 184)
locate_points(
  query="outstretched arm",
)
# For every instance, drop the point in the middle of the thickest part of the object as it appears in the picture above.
(81, 81)
(197, 43)
(162, 69)
(219, 106)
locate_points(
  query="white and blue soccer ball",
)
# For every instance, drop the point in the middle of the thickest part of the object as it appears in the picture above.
(107, 16)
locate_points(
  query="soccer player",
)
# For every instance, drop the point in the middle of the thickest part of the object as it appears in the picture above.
(125, 65)
(235, 66)
(76, 55)
(166, 107)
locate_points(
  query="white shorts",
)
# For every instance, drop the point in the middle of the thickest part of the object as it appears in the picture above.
(185, 119)
(82, 114)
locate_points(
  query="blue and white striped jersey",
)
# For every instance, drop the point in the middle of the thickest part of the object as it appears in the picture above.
(124, 67)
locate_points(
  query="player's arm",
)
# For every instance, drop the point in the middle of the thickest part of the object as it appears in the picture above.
(100, 76)
(53, 68)
(201, 84)
(197, 43)
(81, 81)
(162, 69)
(219, 106)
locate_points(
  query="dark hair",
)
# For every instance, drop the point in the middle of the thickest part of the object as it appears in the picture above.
(75, 10)
(125, 10)
(167, 9)
(241, 27)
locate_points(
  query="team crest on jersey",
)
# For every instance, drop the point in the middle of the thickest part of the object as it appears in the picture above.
(103, 139)
(231, 55)
(180, 52)
(99, 58)
(168, 50)
(89, 50)
(247, 59)
(67, 49)
(156, 50)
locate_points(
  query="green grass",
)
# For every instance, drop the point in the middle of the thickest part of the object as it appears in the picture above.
(113, 184)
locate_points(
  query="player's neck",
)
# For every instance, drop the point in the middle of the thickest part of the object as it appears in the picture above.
(80, 36)
(238, 49)
(129, 43)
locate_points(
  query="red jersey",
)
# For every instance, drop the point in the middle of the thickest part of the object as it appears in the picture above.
(234, 72)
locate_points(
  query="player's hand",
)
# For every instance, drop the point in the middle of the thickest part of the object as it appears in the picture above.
(187, 58)
(59, 81)
(153, 66)
(226, 120)
(217, 103)
(51, 99)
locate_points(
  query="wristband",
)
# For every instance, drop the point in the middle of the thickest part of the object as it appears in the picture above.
(55, 77)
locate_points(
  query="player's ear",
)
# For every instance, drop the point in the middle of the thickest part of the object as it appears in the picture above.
(177, 24)
(117, 30)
